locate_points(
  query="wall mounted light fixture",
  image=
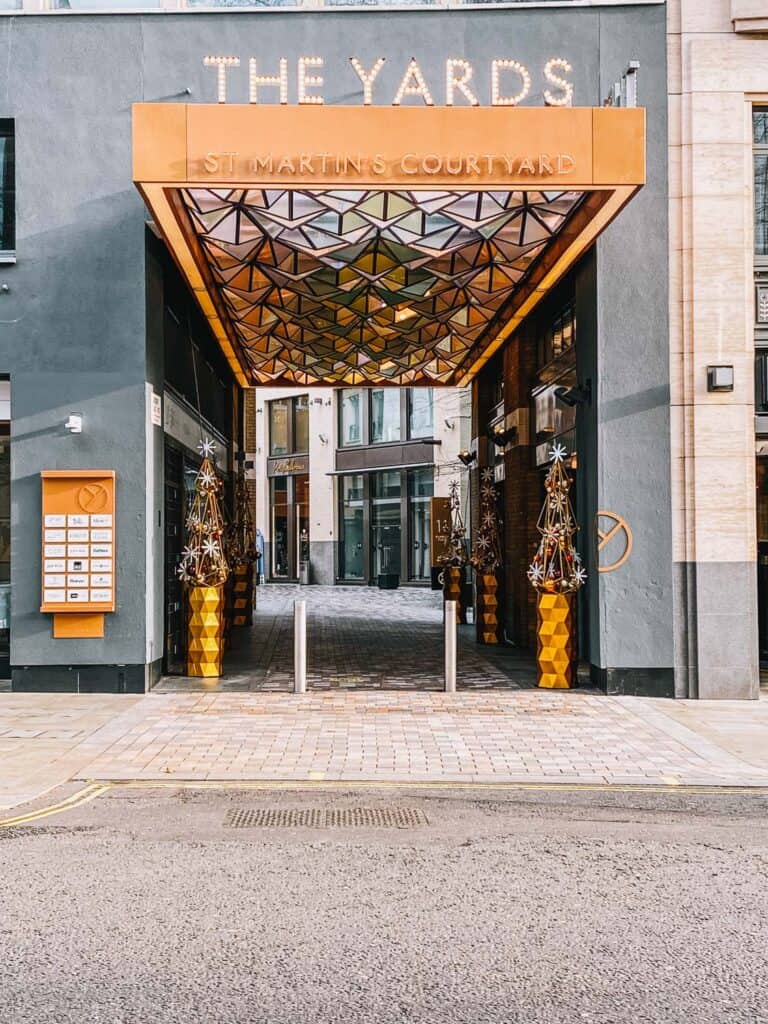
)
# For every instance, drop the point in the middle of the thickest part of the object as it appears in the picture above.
(74, 423)
(467, 457)
(720, 378)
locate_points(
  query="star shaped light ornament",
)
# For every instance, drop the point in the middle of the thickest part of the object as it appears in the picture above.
(206, 448)
(535, 573)
(558, 452)
(210, 548)
(207, 479)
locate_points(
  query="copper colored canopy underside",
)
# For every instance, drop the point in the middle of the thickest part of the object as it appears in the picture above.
(368, 286)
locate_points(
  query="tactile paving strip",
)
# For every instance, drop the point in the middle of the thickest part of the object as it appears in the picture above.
(312, 817)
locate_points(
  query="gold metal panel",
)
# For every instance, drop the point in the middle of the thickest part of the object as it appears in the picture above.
(291, 311)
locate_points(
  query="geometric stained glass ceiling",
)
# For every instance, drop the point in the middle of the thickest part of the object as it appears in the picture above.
(368, 286)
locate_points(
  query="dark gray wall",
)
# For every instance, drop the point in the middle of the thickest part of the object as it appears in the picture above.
(72, 328)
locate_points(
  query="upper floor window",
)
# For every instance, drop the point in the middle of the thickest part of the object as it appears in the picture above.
(289, 425)
(7, 187)
(559, 336)
(760, 141)
(420, 412)
(351, 432)
(384, 415)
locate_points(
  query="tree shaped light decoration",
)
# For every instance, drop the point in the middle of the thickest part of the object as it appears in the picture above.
(556, 567)
(486, 552)
(240, 547)
(454, 555)
(486, 560)
(203, 562)
(240, 535)
(455, 550)
(556, 573)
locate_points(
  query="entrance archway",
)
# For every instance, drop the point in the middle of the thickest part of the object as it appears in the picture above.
(340, 247)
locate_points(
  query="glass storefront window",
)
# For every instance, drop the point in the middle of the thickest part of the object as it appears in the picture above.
(301, 424)
(420, 490)
(352, 553)
(386, 522)
(420, 412)
(351, 417)
(385, 415)
(279, 412)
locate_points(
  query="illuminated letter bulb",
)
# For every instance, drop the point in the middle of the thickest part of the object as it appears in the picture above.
(221, 64)
(367, 77)
(562, 83)
(305, 79)
(452, 81)
(497, 100)
(280, 80)
(417, 87)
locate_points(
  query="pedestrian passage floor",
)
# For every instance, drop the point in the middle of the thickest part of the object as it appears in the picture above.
(358, 638)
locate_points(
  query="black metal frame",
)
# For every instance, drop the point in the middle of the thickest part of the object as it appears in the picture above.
(8, 187)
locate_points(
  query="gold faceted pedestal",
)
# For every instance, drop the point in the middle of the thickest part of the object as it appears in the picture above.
(555, 641)
(242, 595)
(205, 647)
(452, 579)
(487, 608)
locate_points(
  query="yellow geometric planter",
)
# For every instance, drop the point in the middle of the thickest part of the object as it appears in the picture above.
(452, 577)
(555, 641)
(242, 595)
(204, 647)
(487, 608)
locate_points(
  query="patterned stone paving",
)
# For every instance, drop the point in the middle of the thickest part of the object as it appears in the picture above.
(358, 638)
(480, 737)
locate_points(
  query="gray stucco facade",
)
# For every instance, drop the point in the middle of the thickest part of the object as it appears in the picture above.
(75, 337)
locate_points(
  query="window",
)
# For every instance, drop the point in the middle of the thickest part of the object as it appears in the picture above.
(385, 415)
(760, 140)
(7, 187)
(420, 412)
(352, 551)
(420, 489)
(351, 417)
(301, 423)
(279, 414)
(289, 426)
(559, 337)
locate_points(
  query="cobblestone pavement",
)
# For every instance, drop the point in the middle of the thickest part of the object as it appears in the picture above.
(523, 736)
(358, 638)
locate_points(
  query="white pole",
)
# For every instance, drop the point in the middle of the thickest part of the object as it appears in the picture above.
(299, 646)
(450, 646)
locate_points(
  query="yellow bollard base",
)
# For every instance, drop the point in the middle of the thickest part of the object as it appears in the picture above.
(555, 641)
(204, 645)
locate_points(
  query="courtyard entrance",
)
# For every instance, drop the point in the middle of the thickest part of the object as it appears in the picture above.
(358, 638)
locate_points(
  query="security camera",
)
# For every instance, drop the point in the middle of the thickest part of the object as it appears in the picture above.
(574, 396)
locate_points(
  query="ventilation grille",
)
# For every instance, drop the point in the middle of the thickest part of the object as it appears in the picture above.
(343, 817)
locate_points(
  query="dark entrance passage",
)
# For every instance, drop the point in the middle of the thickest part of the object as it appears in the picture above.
(358, 638)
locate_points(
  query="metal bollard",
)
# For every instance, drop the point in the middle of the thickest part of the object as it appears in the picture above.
(450, 646)
(299, 646)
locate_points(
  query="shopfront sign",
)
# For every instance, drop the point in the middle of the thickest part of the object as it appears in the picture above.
(510, 81)
(78, 549)
(291, 466)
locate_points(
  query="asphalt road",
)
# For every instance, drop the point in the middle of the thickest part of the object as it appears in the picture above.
(145, 907)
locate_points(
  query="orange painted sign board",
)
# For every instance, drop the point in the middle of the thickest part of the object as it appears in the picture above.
(78, 541)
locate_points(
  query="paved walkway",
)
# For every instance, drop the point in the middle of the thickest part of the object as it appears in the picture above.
(358, 638)
(494, 737)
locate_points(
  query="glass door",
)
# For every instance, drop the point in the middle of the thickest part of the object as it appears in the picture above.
(301, 507)
(386, 518)
(281, 535)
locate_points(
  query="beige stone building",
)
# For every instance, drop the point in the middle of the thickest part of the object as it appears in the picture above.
(343, 479)
(718, 181)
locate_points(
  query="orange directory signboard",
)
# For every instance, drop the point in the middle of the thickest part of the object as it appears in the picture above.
(78, 541)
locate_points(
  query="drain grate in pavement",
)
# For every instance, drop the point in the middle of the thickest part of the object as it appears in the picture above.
(342, 817)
